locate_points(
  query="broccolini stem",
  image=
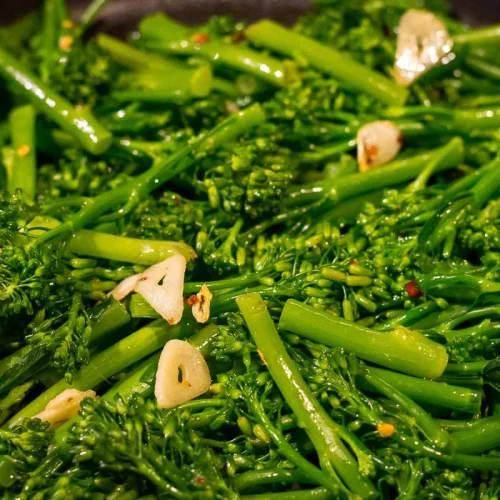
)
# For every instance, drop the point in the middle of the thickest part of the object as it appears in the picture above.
(483, 67)
(54, 13)
(164, 169)
(90, 15)
(437, 436)
(455, 285)
(23, 173)
(333, 455)
(287, 450)
(313, 494)
(276, 37)
(410, 317)
(459, 460)
(469, 367)
(263, 477)
(401, 349)
(488, 185)
(482, 436)
(132, 58)
(391, 174)
(423, 178)
(123, 249)
(116, 358)
(478, 36)
(428, 391)
(159, 37)
(80, 123)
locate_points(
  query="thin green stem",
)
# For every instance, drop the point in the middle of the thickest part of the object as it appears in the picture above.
(437, 436)
(280, 39)
(123, 249)
(22, 175)
(313, 494)
(392, 174)
(429, 392)
(90, 15)
(80, 123)
(333, 455)
(482, 436)
(478, 36)
(264, 477)
(401, 349)
(164, 35)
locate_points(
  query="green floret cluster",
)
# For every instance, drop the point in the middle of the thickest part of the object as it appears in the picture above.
(353, 334)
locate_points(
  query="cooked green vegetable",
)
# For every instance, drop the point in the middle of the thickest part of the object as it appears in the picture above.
(348, 282)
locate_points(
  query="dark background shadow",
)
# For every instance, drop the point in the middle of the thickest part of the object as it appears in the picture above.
(122, 15)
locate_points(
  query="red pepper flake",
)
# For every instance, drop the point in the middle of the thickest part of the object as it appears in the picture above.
(177, 201)
(371, 153)
(353, 262)
(237, 37)
(200, 480)
(200, 38)
(192, 301)
(413, 291)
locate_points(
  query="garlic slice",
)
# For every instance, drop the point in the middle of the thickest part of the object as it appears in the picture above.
(180, 357)
(201, 304)
(64, 406)
(378, 143)
(125, 287)
(166, 299)
(423, 42)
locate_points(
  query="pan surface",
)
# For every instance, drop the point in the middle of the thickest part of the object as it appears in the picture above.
(122, 15)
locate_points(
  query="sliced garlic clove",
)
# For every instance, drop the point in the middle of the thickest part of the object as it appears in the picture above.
(125, 287)
(378, 143)
(201, 304)
(64, 406)
(166, 299)
(423, 42)
(180, 358)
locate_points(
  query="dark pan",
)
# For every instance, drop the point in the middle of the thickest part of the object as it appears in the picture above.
(122, 15)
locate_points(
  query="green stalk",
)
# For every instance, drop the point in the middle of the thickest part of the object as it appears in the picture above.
(164, 35)
(164, 169)
(113, 360)
(90, 15)
(80, 123)
(483, 67)
(22, 175)
(437, 436)
(132, 58)
(52, 28)
(391, 174)
(355, 75)
(461, 286)
(428, 391)
(479, 35)
(479, 119)
(264, 477)
(482, 436)
(460, 460)
(401, 349)
(476, 367)
(334, 457)
(438, 159)
(155, 78)
(314, 494)
(123, 249)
